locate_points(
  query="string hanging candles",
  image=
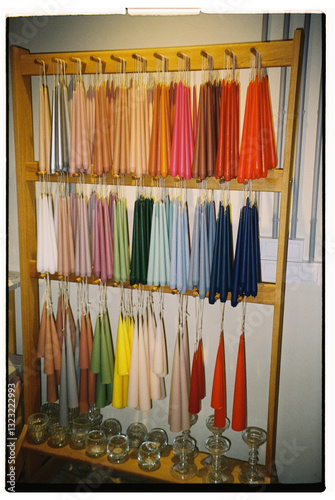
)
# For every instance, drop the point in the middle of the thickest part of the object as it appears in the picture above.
(197, 382)
(143, 208)
(257, 154)
(179, 243)
(66, 329)
(247, 270)
(148, 365)
(179, 416)
(47, 252)
(82, 237)
(205, 146)
(65, 240)
(218, 399)
(121, 128)
(123, 353)
(60, 123)
(182, 138)
(159, 250)
(48, 347)
(222, 261)
(202, 247)
(239, 415)
(44, 124)
(102, 358)
(227, 158)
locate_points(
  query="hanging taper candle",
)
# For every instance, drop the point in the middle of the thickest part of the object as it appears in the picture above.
(257, 153)
(239, 415)
(218, 399)
(159, 251)
(227, 157)
(48, 347)
(44, 124)
(197, 384)
(102, 358)
(179, 416)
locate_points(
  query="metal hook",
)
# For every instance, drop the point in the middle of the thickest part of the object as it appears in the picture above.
(258, 62)
(142, 60)
(164, 60)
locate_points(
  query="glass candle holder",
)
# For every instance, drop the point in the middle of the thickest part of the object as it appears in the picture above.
(96, 421)
(58, 435)
(38, 427)
(51, 409)
(217, 447)
(217, 432)
(183, 447)
(118, 448)
(111, 427)
(159, 437)
(254, 437)
(81, 425)
(148, 455)
(137, 433)
(96, 443)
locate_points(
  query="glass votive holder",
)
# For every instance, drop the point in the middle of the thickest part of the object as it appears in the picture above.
(148, 455)
(51, 409)
(96, 422)
(96, 443)
(159, 437)
(118, 448)
(81, 425)
(58, 435)
(111, 427)
(137, 433)
(38, 427)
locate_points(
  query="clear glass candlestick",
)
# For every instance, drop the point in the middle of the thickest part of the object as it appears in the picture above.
(217, 432)
(183, 447)
(254, 437)
(217, 447)
(187, 433)
(148, 455)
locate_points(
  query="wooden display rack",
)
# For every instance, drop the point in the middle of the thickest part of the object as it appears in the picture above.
(23, 67)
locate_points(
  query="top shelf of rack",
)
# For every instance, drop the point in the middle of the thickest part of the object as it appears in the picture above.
(275, 54)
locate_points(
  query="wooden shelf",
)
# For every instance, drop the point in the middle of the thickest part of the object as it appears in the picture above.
(265, 294)
(130, 466)
(275, 54)
(273, 182)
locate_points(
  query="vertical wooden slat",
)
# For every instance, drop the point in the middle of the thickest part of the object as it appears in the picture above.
(24, 151)
(285, 205)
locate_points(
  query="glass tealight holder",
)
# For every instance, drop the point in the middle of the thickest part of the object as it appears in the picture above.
(51, 409)
(96, 443)
(58, 435)
(81, 426)
(118, 448)
(160, 437)
(38, 427)
(111, 427)
(137, 433)
(148, 455)
(183, 447)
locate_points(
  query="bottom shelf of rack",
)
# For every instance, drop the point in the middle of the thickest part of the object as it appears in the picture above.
(131, 467)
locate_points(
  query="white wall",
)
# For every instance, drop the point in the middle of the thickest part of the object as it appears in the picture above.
(299, 453)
